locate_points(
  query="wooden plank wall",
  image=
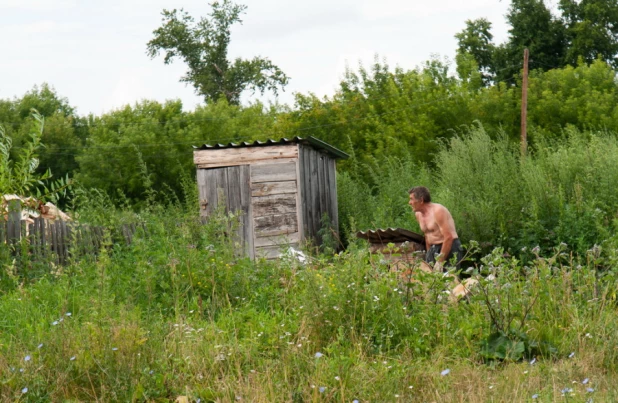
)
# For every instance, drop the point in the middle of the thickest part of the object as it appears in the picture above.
(274, 203)
(58, 241)
(231, 186)
(318, 185)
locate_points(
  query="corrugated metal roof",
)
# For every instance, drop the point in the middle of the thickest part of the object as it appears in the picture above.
(312, 141)
(390, 235)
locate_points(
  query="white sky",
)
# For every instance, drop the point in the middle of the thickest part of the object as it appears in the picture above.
(94, 52)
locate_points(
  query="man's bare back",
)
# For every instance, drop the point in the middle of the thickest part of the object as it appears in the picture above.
(437, 224)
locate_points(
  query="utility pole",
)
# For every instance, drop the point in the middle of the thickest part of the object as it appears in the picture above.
(524, 106)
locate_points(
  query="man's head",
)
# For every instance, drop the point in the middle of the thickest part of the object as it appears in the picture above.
(419, 195)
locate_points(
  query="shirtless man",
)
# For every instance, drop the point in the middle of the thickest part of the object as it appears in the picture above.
(437, 224)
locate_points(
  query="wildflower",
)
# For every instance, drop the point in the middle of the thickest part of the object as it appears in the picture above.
(40, 345)
(566, 390)
(21, 370)
(535, 396)
(589, 390)
(24, 390)
(337, 378)
(114, 348)
(27, 358)
(72, 358)
(585, 381)
(536, 249)
(445, 372)
(572, 354)
(355, 401)
(322, 389)
(318, 355)
(54, 323)
(68, 314)
(533, 361)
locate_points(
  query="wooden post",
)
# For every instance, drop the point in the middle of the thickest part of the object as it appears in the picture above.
(14, 222)
(524, 106)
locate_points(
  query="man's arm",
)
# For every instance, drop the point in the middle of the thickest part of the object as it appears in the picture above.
(448, 232)
(416, 215)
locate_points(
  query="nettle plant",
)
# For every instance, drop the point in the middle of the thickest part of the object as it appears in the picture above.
(19, 175)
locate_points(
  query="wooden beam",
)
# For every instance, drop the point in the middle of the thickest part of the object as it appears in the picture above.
(242, 156)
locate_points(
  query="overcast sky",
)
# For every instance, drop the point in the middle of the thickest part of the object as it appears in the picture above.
(94, 52)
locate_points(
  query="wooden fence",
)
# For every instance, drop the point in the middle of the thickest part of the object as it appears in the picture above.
(60, 240)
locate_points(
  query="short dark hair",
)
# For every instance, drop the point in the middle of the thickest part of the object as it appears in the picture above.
(421, 193)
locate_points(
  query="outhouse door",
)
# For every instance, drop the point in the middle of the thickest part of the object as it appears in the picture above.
(229, 185)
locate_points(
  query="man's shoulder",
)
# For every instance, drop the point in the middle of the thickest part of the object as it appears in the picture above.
(439, 209)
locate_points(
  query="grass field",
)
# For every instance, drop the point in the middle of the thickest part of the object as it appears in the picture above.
(178, 314)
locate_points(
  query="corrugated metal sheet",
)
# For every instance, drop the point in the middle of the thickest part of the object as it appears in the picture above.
(388, 235)
(312, 141)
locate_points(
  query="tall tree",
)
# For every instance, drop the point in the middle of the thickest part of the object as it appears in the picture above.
(592, 30)
(203, 46)
(476, 41)
(534, 27)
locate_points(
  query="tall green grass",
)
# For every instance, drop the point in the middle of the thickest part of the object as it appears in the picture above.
(562, 192)
(178, 313)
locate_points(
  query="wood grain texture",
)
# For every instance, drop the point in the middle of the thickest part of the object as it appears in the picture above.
(247, 209)
(274, 204)
(275, 172)
(275, 225)
(277, 240)
(243, 156)
(273, 188)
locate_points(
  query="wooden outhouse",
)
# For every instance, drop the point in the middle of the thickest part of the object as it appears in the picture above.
(283, 188)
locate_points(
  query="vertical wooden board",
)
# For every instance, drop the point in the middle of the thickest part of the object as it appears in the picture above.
(247, 209)
(332, 182)
(308, 195)
(323, 184)
(43, 235)
(314, 210)
(233, 200)
(299, 191)
(54, 240)
(207, 188)
(221, 188)
(303, 166)
(233, 188)
(65, 241)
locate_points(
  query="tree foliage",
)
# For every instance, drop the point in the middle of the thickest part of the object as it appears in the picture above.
(203, 46)
(18, 175)
(582, 30)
